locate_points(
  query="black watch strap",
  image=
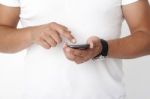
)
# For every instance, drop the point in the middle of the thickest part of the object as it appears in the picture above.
(104, 51)
(104, 47)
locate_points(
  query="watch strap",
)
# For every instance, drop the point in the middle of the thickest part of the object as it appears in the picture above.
(104, 51)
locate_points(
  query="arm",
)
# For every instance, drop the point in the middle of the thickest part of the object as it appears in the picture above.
(13, 40)
(138, 43)
(135, 45)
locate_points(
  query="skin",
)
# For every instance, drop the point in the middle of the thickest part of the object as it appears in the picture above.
(13, 40)
(135, 45)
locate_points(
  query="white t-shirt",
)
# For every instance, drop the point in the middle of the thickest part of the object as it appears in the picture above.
(48, 74)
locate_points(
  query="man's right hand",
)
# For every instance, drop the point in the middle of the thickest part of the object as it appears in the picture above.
(13, 40)
(49, 35)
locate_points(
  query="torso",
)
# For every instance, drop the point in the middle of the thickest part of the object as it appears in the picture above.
(49, 75)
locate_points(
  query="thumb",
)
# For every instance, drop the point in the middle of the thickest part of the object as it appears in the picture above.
(91, 43)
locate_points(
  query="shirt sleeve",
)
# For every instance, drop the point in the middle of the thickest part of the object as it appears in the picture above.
(11, 3)
(125, 2)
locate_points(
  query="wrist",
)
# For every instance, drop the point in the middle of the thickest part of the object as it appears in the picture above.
(28, 34)
(103, 49)
(31, 32)
(98, 48)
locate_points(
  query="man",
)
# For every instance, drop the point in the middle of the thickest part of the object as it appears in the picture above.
(48, 24)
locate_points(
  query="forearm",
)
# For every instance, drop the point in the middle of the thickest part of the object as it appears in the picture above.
(13, 40)
(135, 45)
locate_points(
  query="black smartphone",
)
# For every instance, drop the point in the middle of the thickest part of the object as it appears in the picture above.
(79, 46)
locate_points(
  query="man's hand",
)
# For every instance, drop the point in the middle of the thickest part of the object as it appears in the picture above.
(81, 56)
(49, 35)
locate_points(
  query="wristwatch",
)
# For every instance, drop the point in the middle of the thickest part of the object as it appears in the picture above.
(104, 51)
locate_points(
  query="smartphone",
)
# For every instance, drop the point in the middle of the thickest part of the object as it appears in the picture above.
(79, 46)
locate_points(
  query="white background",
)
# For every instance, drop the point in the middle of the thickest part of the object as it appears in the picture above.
(137, 75)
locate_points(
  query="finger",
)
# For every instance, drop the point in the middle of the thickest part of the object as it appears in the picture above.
(76, 58)
(44, 44)
(79, 53)
(69, 55)
(80, 60)
(62, 26)
(56, 36)
(50, 40)
(83, 55)
(69, 36)
(62, 30)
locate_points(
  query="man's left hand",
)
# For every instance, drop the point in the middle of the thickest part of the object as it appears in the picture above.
(81, 56)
